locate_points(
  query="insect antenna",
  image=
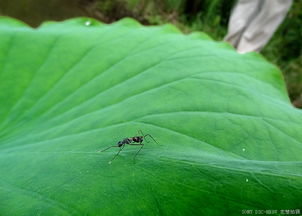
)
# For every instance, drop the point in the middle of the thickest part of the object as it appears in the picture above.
(151, 137)
(140, 131)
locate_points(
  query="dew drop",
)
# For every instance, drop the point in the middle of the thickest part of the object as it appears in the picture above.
(243, 149)
(246, 180)
(109, 162)
(88, 23)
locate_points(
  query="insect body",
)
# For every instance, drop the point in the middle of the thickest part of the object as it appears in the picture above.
(136, 140)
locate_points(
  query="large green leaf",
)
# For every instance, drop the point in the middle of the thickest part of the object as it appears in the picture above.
(229, 140)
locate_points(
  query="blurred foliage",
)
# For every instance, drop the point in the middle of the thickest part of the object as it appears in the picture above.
(34, 12)
(285, 50)
(210, 16)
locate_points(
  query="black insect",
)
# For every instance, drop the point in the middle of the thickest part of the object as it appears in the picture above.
(136, 140)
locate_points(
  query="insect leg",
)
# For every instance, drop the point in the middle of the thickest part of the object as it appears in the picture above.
(140, 131)
(106, 148)
(142, 145)
(121, 148)
(136, 144)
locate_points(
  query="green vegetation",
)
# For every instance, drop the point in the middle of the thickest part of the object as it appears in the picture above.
(284, 49)
(210, 16)
(229, 138)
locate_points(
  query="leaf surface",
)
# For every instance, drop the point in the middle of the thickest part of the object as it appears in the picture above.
(229, 139)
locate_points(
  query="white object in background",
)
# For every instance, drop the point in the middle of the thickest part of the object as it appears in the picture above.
(253, 22)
